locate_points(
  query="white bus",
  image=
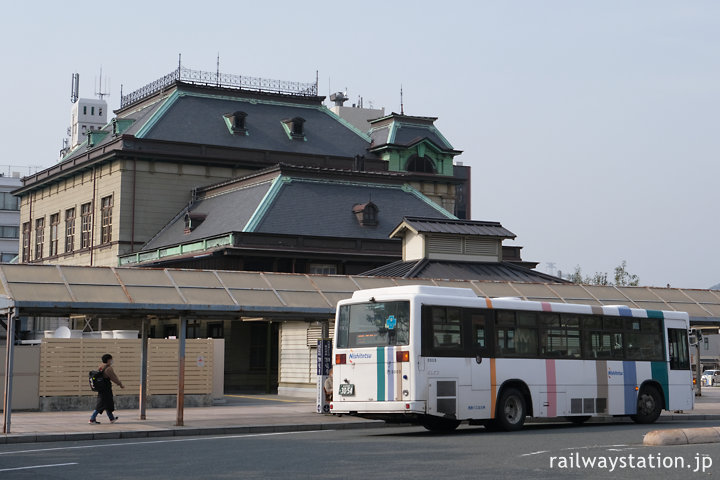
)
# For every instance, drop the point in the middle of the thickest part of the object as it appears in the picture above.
(438, 356)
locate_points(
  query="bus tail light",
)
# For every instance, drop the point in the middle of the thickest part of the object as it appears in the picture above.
(340, 359)
(402, 356)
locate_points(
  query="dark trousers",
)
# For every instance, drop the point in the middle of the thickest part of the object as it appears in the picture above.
(105, 402)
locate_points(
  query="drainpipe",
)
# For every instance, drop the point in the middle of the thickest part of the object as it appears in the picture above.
(132, 224)
(92, 221)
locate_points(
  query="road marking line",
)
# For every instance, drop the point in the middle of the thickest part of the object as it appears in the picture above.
(252, 397)
(194, 439)
(37, 466)
(534, 453)
(592, 446)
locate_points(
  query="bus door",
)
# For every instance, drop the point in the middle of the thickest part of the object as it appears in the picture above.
(480, 349)
(680, 394)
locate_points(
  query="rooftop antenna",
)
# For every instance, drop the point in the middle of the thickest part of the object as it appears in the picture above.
(317, 82)
(75, 88)
(100, 94)
(402, 108)
(217, 73)
(179, 65)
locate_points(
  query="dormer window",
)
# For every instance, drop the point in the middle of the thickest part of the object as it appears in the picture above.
(295, 128)
(420, 164)
(236, 122)
(366, 214)
(193, 220)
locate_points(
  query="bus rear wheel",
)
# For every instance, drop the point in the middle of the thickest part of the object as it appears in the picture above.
(439, 425)
(649, 405)
(510, 411)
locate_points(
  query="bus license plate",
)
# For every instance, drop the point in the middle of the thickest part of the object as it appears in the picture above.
(347, 389)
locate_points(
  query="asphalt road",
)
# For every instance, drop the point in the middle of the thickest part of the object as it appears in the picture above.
(539, 451)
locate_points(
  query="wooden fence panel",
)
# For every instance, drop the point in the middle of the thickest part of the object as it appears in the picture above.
(65, 363)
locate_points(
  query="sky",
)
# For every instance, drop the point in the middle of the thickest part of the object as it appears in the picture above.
(591, 127)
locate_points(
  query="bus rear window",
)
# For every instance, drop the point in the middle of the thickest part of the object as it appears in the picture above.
(378, 324)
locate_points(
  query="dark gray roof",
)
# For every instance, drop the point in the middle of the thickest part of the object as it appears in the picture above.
(199, 119)
(504, 271)
(409, 135)
(461, 227)
(299, 206)
(379, 136)
(313, 208)
(224, 213)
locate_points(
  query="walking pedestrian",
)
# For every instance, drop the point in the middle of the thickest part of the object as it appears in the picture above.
(105, 402)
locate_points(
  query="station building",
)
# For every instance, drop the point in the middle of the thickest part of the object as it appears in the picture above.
(199, 170)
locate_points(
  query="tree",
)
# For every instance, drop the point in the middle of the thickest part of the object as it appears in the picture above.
(622, 277)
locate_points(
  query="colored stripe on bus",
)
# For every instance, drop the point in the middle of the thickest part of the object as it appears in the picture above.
(390, 375)
(655, 314)
(660, 374)
(380, 374)
(624, 311)
(546, 307)
(551, 387)
(488, 302)
(601, 375)
(493, 388)
(630, 375)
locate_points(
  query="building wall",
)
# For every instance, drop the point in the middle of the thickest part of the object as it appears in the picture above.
(358, 117)
(159, 189)
(9, 219)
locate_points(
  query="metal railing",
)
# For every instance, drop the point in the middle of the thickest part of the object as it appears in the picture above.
(218, 79)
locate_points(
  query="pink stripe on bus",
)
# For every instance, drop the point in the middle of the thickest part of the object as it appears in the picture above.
(551, 387)
(546, 307)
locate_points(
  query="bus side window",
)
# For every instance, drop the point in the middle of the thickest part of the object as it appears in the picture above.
(679, 357)
(478, 331)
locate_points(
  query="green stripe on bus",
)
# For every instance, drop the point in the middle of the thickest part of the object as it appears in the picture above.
(660, 373)
(655, 314)
(380, 374)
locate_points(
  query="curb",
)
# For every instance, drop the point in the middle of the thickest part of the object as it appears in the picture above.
(184, 432)
(663, 436)
(682, 436)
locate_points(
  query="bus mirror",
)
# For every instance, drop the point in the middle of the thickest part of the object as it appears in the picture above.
(478, 358)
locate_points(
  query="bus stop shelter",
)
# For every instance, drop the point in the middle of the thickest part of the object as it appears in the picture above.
(137, 293)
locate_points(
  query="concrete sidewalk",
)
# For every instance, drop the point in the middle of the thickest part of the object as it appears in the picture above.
(254, 414)
(260, 414)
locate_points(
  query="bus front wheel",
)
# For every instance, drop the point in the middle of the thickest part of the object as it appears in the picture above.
(649, 405)
(511, 411)
(439, 425)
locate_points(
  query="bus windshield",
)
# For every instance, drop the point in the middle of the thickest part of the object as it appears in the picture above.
(377, 324)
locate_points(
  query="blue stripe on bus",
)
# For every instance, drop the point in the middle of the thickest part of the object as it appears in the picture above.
(624, 311)
(630, 374)
(380, 374)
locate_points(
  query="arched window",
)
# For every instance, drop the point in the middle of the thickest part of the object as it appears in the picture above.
(420, 164)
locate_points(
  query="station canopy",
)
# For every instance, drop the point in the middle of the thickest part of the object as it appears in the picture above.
(53, 290)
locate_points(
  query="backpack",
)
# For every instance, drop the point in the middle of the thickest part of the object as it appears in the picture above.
(97, 381)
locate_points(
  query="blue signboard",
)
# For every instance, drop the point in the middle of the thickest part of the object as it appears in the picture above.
(324, 357)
